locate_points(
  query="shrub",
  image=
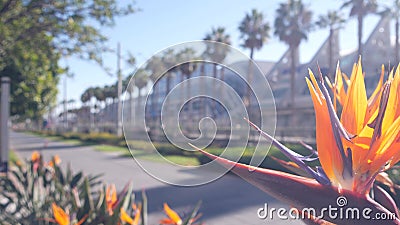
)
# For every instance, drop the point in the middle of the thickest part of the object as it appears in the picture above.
(42, 193)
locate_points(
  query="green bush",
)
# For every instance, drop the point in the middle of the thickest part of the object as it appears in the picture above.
(103, 138)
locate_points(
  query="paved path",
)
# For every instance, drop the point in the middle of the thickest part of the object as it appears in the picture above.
(228, 200)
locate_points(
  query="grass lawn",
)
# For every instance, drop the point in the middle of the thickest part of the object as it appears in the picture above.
(143, 149)
(145, 154)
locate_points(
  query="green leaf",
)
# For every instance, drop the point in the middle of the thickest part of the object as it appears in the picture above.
(192, 215)
(144, 208)
(75, 180)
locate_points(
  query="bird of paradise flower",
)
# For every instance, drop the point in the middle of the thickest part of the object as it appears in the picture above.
(62, 218)
(352, 150)
(173, 217)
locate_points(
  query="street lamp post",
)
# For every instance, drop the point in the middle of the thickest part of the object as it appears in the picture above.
(4, 117)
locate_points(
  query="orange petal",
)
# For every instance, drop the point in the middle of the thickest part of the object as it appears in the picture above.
(392, 107)
(35, 156)
(386, 148)
(327, 150)
(57, 159)
(60, 215)
(125, 217)
(373, 100)
(111, 198)
(137, 217)
(355, 105)
(172, 214)
(167, 221)
(339, 92)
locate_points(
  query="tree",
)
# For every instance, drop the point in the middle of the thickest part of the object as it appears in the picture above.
(35, 34)
(140, 79)
(110, 94)
(169, 59)
(33, 82)
(161, 67)
(87, 95)
(359, 9)
(216, 52)
(73, 25)
(129, 89)
(187, 56)
(254, 32)
(333, 20)
(292, 23)
(98, 94)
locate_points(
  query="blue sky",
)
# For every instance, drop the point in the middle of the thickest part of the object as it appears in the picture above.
(161, 24)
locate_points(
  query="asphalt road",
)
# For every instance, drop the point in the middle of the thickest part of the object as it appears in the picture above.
(226, 201)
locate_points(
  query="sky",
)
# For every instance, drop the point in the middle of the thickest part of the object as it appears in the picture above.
(160, 24)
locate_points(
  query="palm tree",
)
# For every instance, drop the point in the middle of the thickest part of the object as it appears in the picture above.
(359, 9)
(254, 32)
(156, 67)
(109, 94)
(292, 23)
(187, 68)
(86, 98)
(333, 20)
(169, 59)
(87, 95)
(99, 95)
(187, 55)
(216, 52)
(394, 12)
(141, 79)
(129, 89)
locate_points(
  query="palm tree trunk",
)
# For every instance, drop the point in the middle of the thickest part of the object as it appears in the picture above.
(154, 99)
(204, 108)
(168, 86)
(139, 105)
(91, 115)
(249, 80)
(397, 41)
(293, 50)
(214, 91)
(331, 72)
(131, 107)
(292, 74)
(190, 103)
(360, 29)
(222, 73)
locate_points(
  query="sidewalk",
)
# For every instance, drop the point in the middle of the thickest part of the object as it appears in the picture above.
(228, 200)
